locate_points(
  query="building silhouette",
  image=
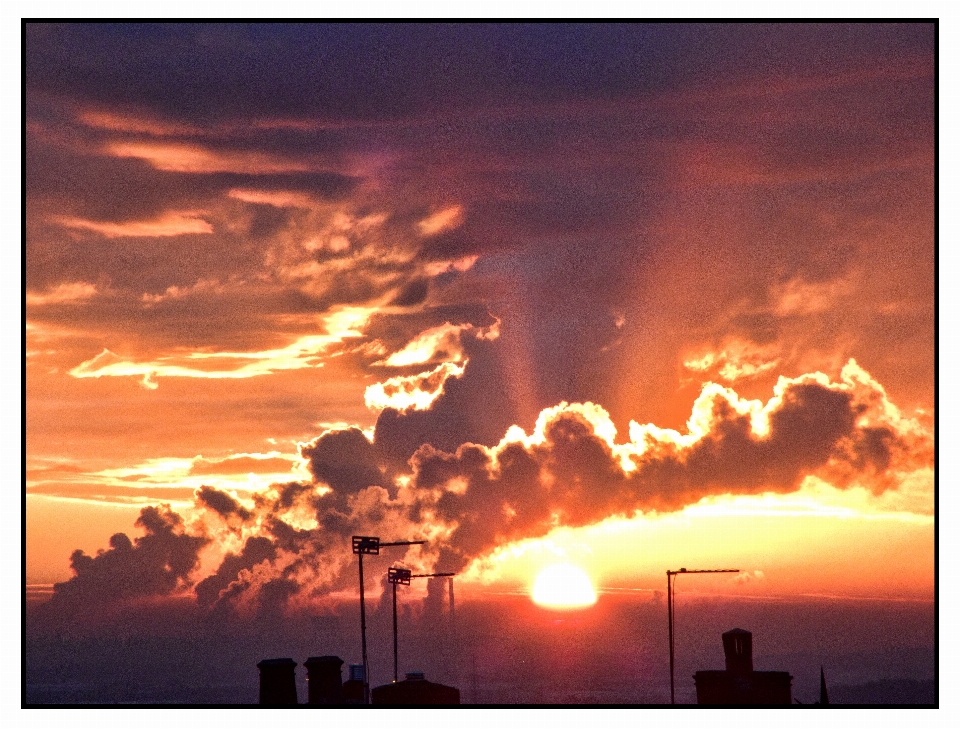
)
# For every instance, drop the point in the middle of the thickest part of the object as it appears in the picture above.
(415, 690)
(325, 687)
(739, 684)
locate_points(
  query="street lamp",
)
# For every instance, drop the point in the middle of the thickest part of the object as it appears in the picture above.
(671, 575)
(362, 546)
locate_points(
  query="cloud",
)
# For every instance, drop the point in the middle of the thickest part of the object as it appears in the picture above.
(158, 563)
(276, 198)
(743, 578)
(133, 123)
(221, 503)
(736, 359)
(196, 159)
(304, 352)
(411, 392)
(168, 224)
(570, 470)
(255, 551)
(445, 219)
(240, 464)
(343, 459)
(65, 293)
(440, 343)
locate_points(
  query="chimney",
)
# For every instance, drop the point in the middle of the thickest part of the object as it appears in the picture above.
(738, 651)
(278, 685)
(323, 680)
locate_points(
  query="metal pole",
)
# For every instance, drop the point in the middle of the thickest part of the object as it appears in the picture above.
(452, 640)
(363, 636)
(670, 627)
(673, 574)
(453, 615)
(395, 632)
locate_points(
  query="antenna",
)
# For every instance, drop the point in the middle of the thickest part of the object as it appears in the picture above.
(671, 576)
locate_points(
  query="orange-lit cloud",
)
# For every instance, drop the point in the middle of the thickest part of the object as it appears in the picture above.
(411, 392)
(197, 159)
(305, 352)
(797, 297)
(445, 219)
(276, 198)
(168, 224)
(735, 360)
(814, 436)
(63, 294)
(437, 343)
(137, 124)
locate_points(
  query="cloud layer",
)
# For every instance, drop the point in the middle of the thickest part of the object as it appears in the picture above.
(290, 542)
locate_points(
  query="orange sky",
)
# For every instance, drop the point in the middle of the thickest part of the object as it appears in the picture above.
(681, 304)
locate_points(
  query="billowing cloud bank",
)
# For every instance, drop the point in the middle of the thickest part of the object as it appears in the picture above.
(288, 549)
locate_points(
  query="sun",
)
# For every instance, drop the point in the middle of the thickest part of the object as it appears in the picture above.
(563, 586)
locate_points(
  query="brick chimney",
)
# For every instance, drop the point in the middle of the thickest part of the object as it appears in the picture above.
(324, 685)
(278, 684)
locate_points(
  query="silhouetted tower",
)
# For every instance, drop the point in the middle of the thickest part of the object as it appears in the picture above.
(824, 699)
(324, 684)
(278, 684)
(739, 683)
(738, 651)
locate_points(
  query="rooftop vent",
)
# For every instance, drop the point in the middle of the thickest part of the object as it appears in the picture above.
(356, 672)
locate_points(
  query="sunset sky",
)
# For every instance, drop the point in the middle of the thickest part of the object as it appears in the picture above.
(624, 297)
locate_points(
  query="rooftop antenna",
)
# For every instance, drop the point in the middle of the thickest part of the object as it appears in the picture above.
(396, 576)
(362, 546)
(671, 576)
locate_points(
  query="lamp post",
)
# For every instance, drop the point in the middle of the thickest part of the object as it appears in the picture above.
(671, 576)
(362, 546)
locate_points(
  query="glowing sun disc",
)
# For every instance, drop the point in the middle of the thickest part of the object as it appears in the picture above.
(563, 586)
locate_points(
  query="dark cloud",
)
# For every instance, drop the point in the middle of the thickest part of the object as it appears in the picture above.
(200, 72)
(574, 477)
(456, 417)
(345, 460)
(220, 502)
(255, 551)
(155, 564)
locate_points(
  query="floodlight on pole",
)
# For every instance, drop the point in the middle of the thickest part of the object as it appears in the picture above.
(671, 575)
(361, 546)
